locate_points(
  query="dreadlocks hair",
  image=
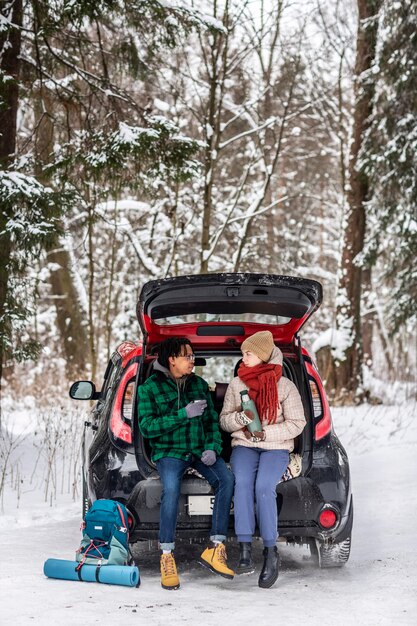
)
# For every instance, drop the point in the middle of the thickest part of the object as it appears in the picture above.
(173, 346)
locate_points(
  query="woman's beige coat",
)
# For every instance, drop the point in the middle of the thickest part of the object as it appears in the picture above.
(290, 421)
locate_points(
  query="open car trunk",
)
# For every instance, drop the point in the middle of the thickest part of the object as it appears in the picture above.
(218, 310)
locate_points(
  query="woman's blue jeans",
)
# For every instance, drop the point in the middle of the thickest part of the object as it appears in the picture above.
(171, 471)
(257, 473)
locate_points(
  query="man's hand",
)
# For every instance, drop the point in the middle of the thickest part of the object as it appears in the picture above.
(208, 457)
(195, 408)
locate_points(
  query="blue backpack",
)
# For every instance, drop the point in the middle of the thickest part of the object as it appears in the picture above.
(105, 539)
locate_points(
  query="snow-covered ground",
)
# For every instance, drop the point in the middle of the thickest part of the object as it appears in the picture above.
(377, 586)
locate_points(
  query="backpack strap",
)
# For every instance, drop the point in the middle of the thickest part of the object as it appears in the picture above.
(122, 517)
(79, 566)
(93, 545)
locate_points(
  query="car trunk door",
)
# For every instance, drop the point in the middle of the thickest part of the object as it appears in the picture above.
(217, 309)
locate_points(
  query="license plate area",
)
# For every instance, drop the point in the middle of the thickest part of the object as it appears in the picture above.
(200, 505)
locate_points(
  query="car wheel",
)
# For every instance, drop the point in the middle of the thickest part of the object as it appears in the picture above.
(86, 502)
(330, 554)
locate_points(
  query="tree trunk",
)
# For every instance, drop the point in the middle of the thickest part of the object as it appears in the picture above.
(274, 217)
(372, 323)
(271, 222)
(71, 317)
(218, 50)
(91, 291)
(10, 42)
(348, 372)
(368, 317)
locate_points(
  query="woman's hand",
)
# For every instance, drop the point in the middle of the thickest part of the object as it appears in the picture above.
(256, 437)
(244, 418)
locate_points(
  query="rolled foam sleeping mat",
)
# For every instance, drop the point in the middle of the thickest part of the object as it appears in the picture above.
(110, 574)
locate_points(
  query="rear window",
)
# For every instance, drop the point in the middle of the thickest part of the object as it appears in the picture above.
(218, 369)
(254, 318)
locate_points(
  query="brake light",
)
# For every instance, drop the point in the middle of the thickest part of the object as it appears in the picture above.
(128, 399)
(323, 426)
(327, 518)
(120, 421)
(130, 522)
(317, 404)
(321, 409)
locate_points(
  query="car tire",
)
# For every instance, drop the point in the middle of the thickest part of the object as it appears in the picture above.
(329, 554)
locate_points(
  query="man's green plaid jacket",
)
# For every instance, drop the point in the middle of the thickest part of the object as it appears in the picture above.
(163, 419)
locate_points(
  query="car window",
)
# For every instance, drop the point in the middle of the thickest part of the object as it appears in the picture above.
(218, 369)
(109, 382)
(254, 318)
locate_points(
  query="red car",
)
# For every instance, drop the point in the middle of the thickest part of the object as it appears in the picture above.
(217, 312)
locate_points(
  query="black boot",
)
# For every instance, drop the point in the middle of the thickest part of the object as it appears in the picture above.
(245, 565)
(270, 569)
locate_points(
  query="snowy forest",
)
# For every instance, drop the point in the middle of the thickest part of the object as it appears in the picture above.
(153, 138)
(144, 139)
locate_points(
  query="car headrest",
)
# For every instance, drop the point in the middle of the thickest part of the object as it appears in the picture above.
(237, 367)
(219, 392)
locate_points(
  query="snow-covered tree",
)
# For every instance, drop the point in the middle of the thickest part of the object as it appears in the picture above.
(389, 159)
(346, 339)
(28, 210)
(73, 73)
(197, 141)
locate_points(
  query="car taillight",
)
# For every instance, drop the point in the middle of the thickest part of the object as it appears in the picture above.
(121, 418)
(321, 410)
(317, 404)
(327, 518)
(130, 522)
(127, 405)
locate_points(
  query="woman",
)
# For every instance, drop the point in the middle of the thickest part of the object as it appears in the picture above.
(259, 459)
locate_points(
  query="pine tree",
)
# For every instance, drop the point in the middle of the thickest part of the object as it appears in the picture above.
(64, 61)
(389, 159)
(28, 210)
(347, 352)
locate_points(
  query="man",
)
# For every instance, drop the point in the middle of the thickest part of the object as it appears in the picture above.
(176, 414)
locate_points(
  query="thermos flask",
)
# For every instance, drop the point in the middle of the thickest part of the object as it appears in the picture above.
(249, 405)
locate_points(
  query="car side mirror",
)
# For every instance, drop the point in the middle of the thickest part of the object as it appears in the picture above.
(83, 390)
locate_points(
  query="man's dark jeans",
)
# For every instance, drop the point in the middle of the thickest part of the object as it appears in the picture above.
(171, 471)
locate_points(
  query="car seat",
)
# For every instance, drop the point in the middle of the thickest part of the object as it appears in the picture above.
(218, 399)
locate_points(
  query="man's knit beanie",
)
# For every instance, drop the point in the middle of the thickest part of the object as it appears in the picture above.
(261, 344)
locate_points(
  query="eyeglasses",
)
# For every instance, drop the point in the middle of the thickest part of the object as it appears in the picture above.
(189, 357)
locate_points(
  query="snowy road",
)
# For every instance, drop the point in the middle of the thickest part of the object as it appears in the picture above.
(378, 585)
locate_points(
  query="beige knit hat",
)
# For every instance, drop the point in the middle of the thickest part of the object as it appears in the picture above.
(261, 344)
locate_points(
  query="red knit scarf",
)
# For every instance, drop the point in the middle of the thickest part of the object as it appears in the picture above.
(262, 381)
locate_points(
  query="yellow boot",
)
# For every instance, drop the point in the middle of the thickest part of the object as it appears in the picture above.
(214, 557)
(169, 576)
